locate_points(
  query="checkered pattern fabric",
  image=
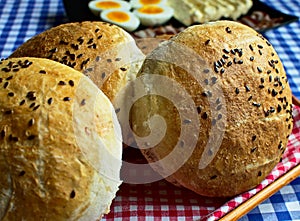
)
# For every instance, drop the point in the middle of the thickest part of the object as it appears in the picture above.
(22, 19)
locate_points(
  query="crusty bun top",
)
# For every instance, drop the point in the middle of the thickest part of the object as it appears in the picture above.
(60, 143)
(240, 112)
(104, 52)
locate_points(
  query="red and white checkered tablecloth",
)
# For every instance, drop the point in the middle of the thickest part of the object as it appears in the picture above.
(163, 201)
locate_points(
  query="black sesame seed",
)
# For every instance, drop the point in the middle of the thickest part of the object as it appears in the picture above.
(251, 58)
(9, 78)
(232, 51)
(117, 110)
(72, 194)
(31, 122)
(255, 104)
(90, 41)
(225, 56)
(220, 116)
(277, 71)
(66, 99)
(82, 103)
(253, 149)
(253, 137)
(71, 83)
(62, 42)
(42, 72)
(207, 42)
(206, 81)
(268, 43)
(31, 137)
(216, 69)
(5, 69)
(237, 91)
(259, 69)
(279, 108)
(2, 133)
(247, 88)
(79, 56)
(97, 29)
(260, 46)
(123, 69)
(262, 80)
(5, 85)
(10, 94)
(261, 86)
(226, 51)
(22, 173)
(259, 51)
(251, 48)
(198, 110)
(269, 72)
(250, 98)
(259, 173)
(274, 93)
(235, 60)
(53, 50)
(50, 100)
(214, 80)
(229, 63)
(187, 121)
(22, 102)
(8, 112)
(109, 60)
(103, 75)
(118, 59)
(61, 83)
(213, 122)
(213, 177)
(12, 138)
(36, 107)
(204, 116)
(222, 71)
(272, 109)
(219, 107)
(100, 36)
(228, 30)
(270, 78)
(240, 62)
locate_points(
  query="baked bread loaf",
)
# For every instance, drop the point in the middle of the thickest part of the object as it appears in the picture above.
(226, 106)
(102, 51)
(60, 143)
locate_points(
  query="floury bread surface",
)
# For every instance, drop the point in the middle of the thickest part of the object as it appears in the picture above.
(242, 108)
(60, 144)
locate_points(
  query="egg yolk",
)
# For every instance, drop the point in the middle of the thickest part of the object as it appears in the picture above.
(118, 16)
(150, 9)
(147, 2)
(108, 5)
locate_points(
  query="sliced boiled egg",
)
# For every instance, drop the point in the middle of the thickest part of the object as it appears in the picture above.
(151, 15)
(141, 3)
(122, 18)
(97, 6)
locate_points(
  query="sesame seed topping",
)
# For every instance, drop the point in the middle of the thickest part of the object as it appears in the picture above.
(247, 88)
(187, 121)
(226, 51)
(229, 63)
(71, 83)
(207, 42)
(204, 71)
(198, 110)
(53, 50)
(61, 83)
(22, 102)
(259, 69)
(31, 137)
(260, 46)
(66, 99)
(250, 98)
(253, 137)
(10, 94)
(117, 110)
(50, 100)
(225, 56)
(228, 30)
(237, 91)
(222, 71)
(42, 72)
(123, 69)
(31, 122)
(9, 78)
(251, 58)
(251, 48)
(255, 104)
(259, 51)
(204, 116)
(261, 86)
(103, 75)
(83, 102)
(5, 85)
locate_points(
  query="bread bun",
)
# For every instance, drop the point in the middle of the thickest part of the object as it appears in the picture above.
(59, 136)
(104, 52)
(226, 105)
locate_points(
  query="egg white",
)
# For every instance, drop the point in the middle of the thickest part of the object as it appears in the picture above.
(153, 19)
(141, 3)
(130, 25)
(97, 10)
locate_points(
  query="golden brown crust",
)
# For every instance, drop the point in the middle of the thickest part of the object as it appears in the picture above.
(257, 109)
(47, 143)
(93, 48)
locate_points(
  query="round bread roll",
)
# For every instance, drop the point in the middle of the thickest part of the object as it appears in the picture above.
(60, 143)
(104, 52)
(225, 104)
